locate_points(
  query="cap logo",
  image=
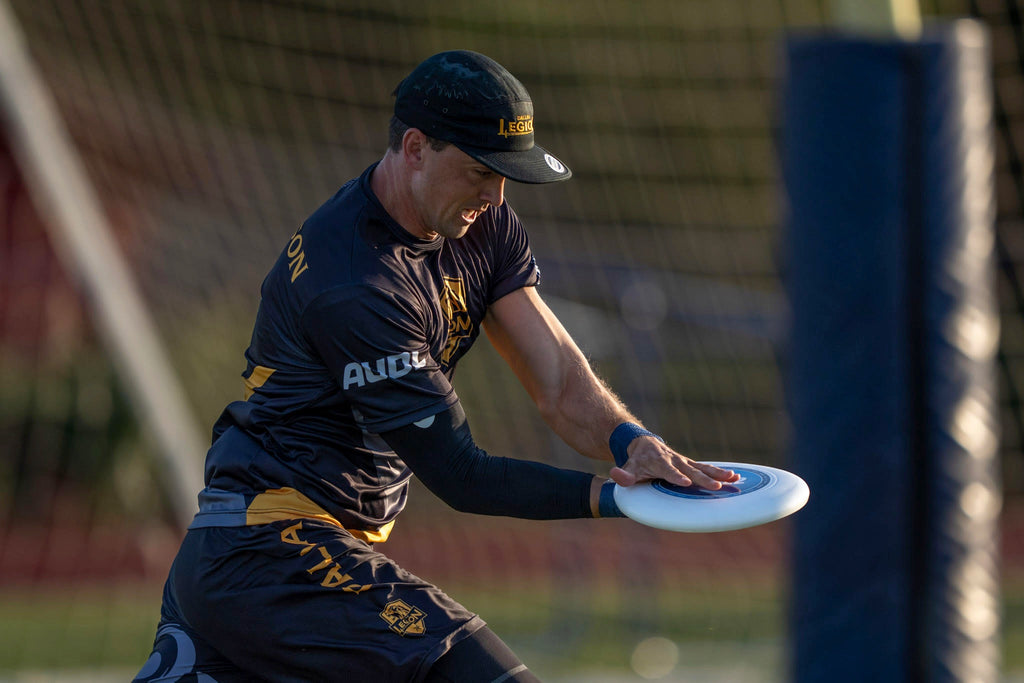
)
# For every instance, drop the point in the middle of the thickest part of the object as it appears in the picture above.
(523, 125)
(554, 164)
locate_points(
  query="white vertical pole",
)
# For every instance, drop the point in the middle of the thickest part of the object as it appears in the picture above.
(80, 234)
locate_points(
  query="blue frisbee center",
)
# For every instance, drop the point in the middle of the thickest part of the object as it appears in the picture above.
(750, 480)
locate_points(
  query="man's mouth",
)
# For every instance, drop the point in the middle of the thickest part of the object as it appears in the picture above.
(470, 215)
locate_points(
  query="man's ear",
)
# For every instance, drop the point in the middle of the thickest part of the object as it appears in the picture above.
(414, 144)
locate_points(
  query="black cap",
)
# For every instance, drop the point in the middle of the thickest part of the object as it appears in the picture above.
(473, 102)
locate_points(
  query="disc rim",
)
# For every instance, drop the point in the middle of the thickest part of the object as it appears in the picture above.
(645, 504)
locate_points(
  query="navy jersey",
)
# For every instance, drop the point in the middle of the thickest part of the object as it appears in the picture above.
(359, 330)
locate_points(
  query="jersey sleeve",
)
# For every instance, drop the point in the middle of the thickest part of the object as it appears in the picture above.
(375, 347)
(514, 264)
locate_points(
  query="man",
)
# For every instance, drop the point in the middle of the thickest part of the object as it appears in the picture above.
(361, 323)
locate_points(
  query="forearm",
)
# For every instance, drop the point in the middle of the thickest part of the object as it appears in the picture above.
(572, 399)
(575, 402)
(445, 458)
(583, 410)
(493, 485)
(588, 416)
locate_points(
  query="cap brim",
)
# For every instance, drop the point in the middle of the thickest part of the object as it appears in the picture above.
(534, 165)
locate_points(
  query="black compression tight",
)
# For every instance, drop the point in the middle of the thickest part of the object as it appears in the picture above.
(481, 658)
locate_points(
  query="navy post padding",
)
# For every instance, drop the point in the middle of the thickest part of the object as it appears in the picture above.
(886, 158)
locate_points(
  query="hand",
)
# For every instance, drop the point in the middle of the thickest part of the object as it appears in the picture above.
(650, 458)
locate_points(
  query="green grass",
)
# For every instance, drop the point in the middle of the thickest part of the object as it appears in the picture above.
(91, 627)
(557, 630)
(113, 626)
(1013, 624)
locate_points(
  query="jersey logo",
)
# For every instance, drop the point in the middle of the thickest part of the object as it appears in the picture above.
(456, 312)
(389, 367)
(404, 619)
(296, 256)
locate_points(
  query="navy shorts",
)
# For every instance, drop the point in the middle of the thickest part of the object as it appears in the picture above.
(297, 600)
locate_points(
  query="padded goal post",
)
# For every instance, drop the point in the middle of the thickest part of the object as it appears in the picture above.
(888, 265)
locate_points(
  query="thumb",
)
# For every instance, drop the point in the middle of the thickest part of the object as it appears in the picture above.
(622, 477)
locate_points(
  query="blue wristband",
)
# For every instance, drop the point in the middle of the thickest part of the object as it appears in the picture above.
(622, 436)
(606, 506)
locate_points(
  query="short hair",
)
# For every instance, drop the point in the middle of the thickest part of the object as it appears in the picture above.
(396, 131)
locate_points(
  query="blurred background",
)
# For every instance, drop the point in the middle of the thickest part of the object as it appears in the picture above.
(210, 130)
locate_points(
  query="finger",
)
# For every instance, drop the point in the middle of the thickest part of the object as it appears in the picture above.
(663, 463)
(706, 475)
(685, 471)
(678, 477)
(715, 472)
(622, 477)
(673, 472)
(712, 477)
(703, 480)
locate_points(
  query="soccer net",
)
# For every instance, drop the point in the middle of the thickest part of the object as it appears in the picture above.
(210, 130)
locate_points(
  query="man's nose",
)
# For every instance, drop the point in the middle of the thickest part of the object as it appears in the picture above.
(493, 191)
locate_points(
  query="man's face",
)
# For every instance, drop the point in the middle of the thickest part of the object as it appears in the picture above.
(451, 190)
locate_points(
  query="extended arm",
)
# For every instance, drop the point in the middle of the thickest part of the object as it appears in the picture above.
(441, 453)
(572, 398)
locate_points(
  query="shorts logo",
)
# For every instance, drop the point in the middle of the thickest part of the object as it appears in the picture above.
(333, 576)
(404, 619)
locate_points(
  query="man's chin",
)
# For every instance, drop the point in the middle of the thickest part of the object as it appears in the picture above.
(453, 230)
(457, 228)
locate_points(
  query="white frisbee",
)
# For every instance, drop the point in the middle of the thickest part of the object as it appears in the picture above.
(761, 495)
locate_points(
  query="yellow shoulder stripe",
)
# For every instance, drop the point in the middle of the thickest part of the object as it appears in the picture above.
(256, 379)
